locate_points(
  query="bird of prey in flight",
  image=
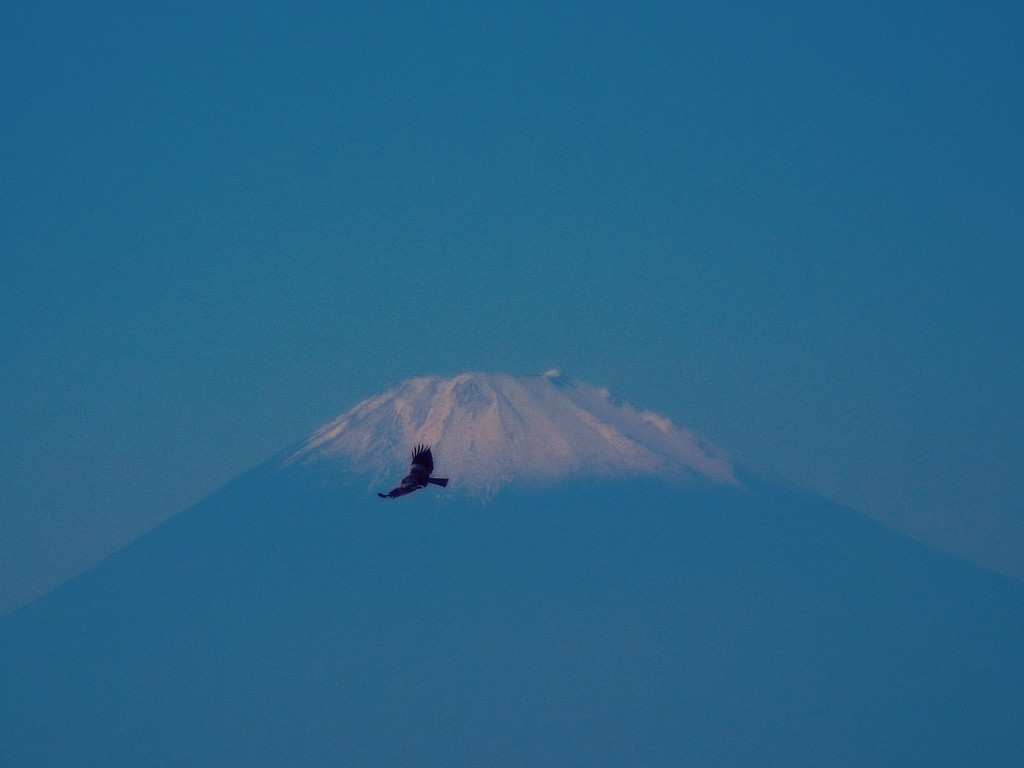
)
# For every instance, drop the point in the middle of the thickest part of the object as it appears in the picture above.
(419, 474)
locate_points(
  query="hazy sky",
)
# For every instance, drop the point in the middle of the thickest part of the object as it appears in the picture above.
(797, 230)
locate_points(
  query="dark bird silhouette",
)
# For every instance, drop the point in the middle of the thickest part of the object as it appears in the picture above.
(419, 474)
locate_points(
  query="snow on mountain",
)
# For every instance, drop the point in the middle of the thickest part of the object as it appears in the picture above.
(488, 430)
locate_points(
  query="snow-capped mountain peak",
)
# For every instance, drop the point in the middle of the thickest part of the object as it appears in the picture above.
(488, 430)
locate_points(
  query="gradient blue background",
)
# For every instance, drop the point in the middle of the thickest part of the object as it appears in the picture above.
(796, 230)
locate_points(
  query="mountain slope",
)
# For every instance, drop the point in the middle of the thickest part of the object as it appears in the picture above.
(600, 621)
(589, 626)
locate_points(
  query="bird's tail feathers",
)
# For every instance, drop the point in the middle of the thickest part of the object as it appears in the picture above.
(442, 481)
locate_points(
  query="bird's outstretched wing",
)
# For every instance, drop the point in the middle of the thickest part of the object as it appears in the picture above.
(422, 461)
(401, 490)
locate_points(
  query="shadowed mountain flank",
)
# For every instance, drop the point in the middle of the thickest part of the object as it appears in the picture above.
(279, 623)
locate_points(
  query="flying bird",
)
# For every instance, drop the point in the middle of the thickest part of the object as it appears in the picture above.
(419, 474)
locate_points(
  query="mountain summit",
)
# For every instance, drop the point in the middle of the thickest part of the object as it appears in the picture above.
(488, 430)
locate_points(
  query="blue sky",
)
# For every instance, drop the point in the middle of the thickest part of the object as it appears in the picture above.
(794, 229)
